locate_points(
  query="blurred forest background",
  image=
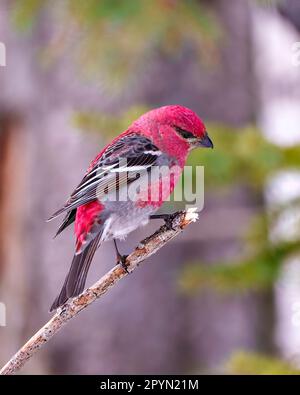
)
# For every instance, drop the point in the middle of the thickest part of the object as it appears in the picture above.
(224, 297)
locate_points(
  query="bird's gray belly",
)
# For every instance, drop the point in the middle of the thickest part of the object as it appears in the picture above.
(123, 218)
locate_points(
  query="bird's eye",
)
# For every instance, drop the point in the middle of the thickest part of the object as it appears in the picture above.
(184, 133)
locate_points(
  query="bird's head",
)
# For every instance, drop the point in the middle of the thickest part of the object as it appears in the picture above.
(184, 122)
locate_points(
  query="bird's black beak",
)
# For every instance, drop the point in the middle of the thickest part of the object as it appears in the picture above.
(206, 142)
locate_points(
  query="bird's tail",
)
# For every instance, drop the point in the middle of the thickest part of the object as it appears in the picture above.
(76, 278)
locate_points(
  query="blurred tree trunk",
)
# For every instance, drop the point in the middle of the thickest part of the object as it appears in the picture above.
(13, 196)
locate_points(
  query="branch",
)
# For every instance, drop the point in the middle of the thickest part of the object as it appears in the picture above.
(147, 247)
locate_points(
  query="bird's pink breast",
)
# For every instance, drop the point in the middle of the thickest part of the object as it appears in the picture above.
(159, 190)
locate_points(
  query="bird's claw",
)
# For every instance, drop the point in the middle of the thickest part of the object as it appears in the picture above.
(121, 259)
(168, 218)
(169, 222)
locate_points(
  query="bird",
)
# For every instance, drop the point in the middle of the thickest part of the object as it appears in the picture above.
(101, 206)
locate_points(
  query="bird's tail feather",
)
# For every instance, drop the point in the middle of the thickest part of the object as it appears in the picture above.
(76, 278)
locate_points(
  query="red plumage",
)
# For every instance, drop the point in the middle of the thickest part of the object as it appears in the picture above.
(86, 216)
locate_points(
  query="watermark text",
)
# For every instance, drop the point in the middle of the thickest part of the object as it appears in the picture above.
(2, 314)
(2, 55)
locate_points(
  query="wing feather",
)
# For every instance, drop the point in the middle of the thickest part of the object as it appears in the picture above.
(120, 164)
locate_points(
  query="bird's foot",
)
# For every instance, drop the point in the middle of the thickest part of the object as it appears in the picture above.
(168, 218)
(121, 259)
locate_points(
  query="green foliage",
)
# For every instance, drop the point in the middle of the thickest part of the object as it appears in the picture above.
(108, 125)
(118, 39)
(252, 363)
(229, 277)
(255, 273)
(24, 14)
(243, 155)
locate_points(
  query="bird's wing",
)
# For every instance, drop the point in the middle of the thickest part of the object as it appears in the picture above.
(68, 220)
(119, 164)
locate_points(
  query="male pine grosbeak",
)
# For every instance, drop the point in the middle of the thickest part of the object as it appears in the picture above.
(160, 138)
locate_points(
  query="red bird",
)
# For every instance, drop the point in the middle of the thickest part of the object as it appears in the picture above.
(161, 138)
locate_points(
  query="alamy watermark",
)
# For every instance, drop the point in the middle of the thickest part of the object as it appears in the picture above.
(150, 185)
(295, 48)
(2, 55)
(2, 314)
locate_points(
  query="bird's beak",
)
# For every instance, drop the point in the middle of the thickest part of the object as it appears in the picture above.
(206, 142)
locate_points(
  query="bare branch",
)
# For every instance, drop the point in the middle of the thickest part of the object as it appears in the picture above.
(146, 248)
